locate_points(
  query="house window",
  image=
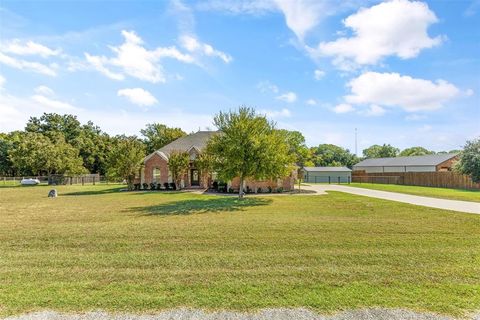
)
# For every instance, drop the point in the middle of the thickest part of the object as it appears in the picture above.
(156, 175)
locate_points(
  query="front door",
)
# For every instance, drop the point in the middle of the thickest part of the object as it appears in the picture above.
(194, 179)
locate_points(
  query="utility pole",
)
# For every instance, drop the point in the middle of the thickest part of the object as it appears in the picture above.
(356, 151)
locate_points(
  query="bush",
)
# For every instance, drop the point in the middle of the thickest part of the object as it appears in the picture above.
(230, 190)
(259, 190)
(249, 190)
(280, 190)
(136, 186)
(215, 185)
(269, 189)
(173, 186)
(166, 185)
(153, 186)
(145, 186)
(159, 186)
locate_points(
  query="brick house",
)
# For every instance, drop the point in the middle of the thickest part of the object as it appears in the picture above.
(155, 168)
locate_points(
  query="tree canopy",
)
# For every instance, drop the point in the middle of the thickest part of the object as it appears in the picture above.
(469, 160)
(326, 155)
(248, 147)
(378, 151)
(125, 158)
(158, 135)
(415, 151)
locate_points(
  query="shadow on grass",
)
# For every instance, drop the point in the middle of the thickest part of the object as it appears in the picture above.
(193, 206)
(91, 192)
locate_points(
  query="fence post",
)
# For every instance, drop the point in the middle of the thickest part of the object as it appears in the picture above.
(329, 179)
(83, 181)
(349, 179)
(93, 180)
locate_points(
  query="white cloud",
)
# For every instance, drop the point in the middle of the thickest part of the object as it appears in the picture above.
(28, 65)
(138, 96)
(192, 44)
(266, 86)
(395, 90)
(302, 15)
(53, 104)
(44, 90)
(374, 111)
(397, 27)
(318, 74)
(289, 97)
(23, 48)
(311, 102)
(284, 113)
(132, 59)
(343, 108)
(2, 81)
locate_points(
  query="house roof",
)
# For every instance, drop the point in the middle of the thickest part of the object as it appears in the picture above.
(197, 140)
(326, 169)
(427, 160)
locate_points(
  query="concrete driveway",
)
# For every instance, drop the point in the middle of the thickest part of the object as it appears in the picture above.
(454, 205)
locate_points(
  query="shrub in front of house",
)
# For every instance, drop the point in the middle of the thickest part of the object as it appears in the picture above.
(145, 186)
(153, 186)
(166, 185)
(136, 186)
(259, 190)
(269, 189)
(159, 186)
(280, 189)
(173, 186)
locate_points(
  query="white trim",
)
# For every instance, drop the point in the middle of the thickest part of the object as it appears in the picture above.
(159, 153)
(194, 147)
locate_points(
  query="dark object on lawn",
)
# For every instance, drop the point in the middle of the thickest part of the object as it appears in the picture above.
(153, 186)
(52, 193)
(166, 185)
(173, 186)
(145, 186)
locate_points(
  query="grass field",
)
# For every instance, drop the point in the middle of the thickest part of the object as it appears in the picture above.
(443, 193)
(96, 248)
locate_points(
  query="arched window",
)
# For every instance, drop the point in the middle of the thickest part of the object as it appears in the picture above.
(156, 175)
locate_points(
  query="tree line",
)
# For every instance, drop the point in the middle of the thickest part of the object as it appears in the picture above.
(60, 144)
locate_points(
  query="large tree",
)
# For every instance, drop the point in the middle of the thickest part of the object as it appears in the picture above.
(178, 162)
(158, 135)
(415, 151)
(94, 146)
(297, 147)
(248, 147)
(125, 159)
(49, 124)
(377, 151)
(469, 162)
(330, 155)
(35, 154)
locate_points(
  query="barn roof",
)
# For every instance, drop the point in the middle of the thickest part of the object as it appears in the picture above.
(326, 169)
(427, 160)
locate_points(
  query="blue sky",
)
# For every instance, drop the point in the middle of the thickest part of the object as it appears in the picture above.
(402, 72)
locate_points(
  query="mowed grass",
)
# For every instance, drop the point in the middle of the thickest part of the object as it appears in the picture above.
(443, 193)
(96, 248)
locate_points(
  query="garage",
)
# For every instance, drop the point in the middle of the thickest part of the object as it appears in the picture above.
(327, 174)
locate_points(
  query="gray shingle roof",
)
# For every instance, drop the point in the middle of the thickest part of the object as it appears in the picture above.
(427, 160)
(198, 140)
(326, 169)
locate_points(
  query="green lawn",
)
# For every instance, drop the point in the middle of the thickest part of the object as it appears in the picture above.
(444, 193)
(96, 248)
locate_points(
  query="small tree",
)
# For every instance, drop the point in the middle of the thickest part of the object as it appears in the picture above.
(178, 165)
(158, 135)
(125, 159)
(248, 147)
(205, 162)
(415, 151)
(469, 162)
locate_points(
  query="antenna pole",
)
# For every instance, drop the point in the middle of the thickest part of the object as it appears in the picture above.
(356, 151)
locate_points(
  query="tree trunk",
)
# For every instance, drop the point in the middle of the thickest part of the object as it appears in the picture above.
(240, 188)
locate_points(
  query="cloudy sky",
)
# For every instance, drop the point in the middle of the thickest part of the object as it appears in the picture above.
(402, 72)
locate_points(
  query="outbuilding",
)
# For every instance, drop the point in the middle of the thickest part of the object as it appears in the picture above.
(426, 163)
(327, 174)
